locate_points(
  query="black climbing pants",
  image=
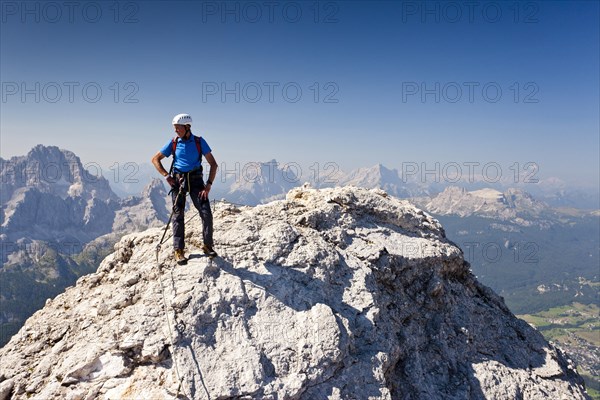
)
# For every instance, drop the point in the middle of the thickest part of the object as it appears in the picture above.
(193, 184)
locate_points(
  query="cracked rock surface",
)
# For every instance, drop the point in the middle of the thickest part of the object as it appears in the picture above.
(341, 293)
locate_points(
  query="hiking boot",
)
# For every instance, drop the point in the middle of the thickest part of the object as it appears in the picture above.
(209, 251)
(180, 257)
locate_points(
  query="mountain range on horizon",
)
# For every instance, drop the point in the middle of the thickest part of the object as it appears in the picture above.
(58, 225)
(257, 182)
(49, 196)
(61, 173)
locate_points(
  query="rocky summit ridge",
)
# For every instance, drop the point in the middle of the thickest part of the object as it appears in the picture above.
(341, 293)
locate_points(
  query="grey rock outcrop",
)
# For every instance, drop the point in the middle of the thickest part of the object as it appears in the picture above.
(340, 293)
(141, 212)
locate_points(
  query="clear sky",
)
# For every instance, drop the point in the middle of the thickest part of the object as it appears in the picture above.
(351, 82)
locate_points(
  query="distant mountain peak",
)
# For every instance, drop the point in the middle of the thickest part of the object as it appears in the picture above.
(156, 186)
(487, 202)
(53, 170)
(261, 182)
(379, 176)
(48, 195)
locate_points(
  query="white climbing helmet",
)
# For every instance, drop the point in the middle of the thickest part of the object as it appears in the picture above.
(182, 119)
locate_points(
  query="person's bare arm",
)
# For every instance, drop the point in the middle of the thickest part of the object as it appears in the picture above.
(213, 166)
(161, 170)
(211, 174)
(158, 165)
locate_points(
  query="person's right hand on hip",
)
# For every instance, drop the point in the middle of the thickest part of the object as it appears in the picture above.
(171, 181)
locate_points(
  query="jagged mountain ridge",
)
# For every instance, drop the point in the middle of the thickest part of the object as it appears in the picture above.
(335, 293)
(52, 170)
(136, 213)
(48, 195)
(260, 183)
(58, 222)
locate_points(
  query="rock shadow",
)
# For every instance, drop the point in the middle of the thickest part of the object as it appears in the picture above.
(443, 335)
(300, 291)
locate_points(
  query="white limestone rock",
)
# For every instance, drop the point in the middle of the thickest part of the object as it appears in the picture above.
(340, 293)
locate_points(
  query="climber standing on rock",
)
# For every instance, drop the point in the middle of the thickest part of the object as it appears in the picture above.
(186, 176)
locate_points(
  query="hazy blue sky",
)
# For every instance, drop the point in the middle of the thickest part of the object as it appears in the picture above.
(381, 82)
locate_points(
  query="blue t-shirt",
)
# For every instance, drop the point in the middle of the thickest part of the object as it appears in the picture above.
(186, 153)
